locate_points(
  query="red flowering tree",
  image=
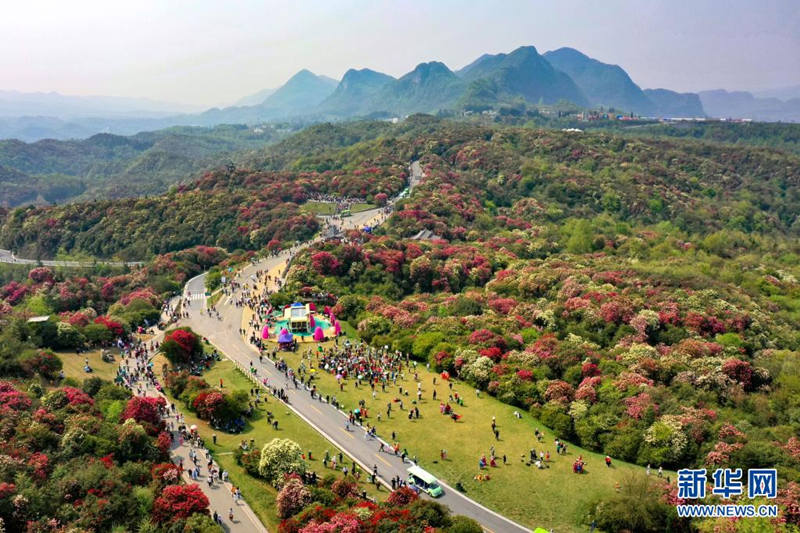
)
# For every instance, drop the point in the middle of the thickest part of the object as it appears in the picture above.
(145, 411)
(12, 399)
(292, 497)
(41, 275)
(325, 263)
(525, 375)
(164, 442)
(180, 345)
(339, 523)
(559, 391)
(739, 371)
(345, 487)
(165, 474)
(179, 501)
(111, 325)
(402, 497)
(207, 404)
(77, 397)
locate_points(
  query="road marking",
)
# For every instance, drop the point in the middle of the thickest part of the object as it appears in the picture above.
(314, 407)
(384, 461)
(349, 434)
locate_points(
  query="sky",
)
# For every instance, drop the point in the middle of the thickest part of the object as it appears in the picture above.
(213, 52)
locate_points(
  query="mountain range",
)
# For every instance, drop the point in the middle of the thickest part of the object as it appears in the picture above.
(523, 76)
(735, 104)
(492, 80)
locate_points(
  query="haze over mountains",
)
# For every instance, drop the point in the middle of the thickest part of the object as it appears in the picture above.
(523, 76)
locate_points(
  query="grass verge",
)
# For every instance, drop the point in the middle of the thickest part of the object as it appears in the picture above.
(259, 494)
(553, 497)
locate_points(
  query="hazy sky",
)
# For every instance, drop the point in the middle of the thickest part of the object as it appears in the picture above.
(213, 52)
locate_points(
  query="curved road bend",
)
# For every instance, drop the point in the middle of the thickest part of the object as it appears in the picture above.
(326, 419)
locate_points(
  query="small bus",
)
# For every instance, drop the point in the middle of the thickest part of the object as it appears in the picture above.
(424, 481)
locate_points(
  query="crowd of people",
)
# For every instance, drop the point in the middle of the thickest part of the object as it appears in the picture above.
(367, 368)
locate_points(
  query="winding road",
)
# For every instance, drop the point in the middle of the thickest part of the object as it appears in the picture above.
(323, 417)
(7, 256)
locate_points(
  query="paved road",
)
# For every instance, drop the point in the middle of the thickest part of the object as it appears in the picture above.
(219, 494)
(326, 419)
(373, 217)
(6, 256)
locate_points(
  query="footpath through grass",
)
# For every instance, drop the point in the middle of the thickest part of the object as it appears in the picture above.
(259, 494)
(553, 497)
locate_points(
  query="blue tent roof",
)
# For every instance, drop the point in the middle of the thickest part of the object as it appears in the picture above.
(297, 304)
(285, 336)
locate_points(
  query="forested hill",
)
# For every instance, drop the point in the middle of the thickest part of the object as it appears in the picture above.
(114, 166)
(515, 177)
(776, 136)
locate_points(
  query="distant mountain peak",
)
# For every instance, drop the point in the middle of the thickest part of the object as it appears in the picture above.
(364, 74)
(522, 73)
(354, 92)
(302, 92)
(430, 68)
(603, 84)
(527, 49)
(303, 73)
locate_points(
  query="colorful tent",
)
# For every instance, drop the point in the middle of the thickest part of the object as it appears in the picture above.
(311, 322)
(319, 336)
(312, 306)
(337, 328)
(284, 337)
(265, 332)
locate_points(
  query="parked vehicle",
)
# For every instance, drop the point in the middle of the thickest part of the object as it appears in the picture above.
(424, 481)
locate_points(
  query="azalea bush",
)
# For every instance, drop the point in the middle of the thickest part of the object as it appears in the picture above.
(179, 501)
(181, 345)
(65, 435)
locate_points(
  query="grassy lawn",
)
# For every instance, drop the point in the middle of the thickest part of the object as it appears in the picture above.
(73, 365)
(357, 208)
(550, 498)
(323, 208)
(212, 300)
(260, 495)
